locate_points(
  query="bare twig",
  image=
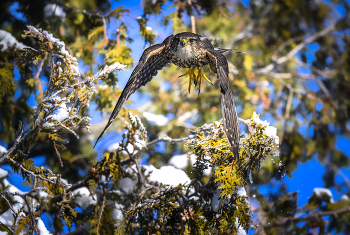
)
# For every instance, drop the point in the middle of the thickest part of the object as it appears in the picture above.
(7, 227)
(37, 76)
(85, 12)
(100, 217)
(167, 139)
(105, 31)
(289, 104)
(286, 115)
(193, 20)
(57, 153)
(31, 215)
(312, 68)
(319, 72)
(70, 130)
(299, 47)
(9, 204)
(18, 141)
(294, 220)
(249, 28)
(285, 44)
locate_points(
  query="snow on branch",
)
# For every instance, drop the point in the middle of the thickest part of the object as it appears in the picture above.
(8, 40)
(58, 111)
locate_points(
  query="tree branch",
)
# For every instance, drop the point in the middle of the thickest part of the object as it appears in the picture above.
(249, 28)
(300, 46)
(7, 227)
(193, 20)
(290, 220)
(18, 141)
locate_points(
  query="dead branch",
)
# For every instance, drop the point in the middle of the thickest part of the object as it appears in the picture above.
(295, 219)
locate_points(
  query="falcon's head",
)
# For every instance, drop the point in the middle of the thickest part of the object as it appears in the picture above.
(186, 46)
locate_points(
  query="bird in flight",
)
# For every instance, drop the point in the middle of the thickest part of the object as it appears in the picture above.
(186, 50)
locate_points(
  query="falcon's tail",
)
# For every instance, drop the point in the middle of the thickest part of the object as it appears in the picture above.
(229, 114)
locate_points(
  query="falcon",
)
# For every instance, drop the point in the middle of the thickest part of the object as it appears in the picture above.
(186, 50)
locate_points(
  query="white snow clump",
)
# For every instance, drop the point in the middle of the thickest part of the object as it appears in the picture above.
(83, 198)
(8, 40)
(181, 162)
(61, 115)
(270, 131)
(321, 192)
(167, 175)
(41, 227)
(53, 10)
(159, 120)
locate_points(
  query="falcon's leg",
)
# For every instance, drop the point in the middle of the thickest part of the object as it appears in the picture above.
(200, 76)
(192, 76)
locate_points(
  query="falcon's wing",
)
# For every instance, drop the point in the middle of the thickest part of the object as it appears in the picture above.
(150, 62)
(207, 45)
(221, 50)
(218, 63)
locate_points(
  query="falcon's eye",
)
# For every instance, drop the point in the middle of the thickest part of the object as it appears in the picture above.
(191, 40)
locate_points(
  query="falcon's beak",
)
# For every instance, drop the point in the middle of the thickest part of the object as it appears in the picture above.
(184, 42)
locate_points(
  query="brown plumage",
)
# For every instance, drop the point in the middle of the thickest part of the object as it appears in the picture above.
(186, 50)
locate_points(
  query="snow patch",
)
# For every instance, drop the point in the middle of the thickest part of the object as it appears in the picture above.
(117, 213)
(270, 131)
(157, 119)
(168, 175)
(241, 192)
(8, 40)
(53, 10)
(3, 173)
(3, 150)
(113, 147)
(12, 189)
(240, 230)
(321, 192)
(83, 198)
(182, 161)
(344, 198)
(7, 218)
(62, 113)
(127, 185)
(41, 227)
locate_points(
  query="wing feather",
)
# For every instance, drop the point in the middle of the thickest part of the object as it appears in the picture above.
(150, 62)
(222, 50)
(229, 112)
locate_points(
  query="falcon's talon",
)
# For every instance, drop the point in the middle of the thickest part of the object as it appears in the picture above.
(200, 76)
(197, 79)
(192, 76)
(207, 79)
